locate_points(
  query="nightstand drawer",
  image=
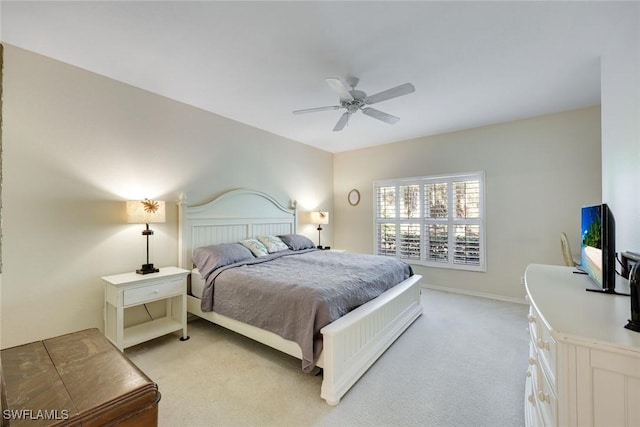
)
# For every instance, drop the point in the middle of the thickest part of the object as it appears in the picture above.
(153, 292)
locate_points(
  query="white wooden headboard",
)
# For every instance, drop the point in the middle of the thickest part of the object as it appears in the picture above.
(233, 216)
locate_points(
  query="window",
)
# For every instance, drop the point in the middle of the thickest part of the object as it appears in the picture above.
(435, 221)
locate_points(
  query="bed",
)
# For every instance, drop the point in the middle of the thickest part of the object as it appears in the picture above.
(350, 344)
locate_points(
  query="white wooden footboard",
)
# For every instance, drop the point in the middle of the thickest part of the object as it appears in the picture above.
(354, 342)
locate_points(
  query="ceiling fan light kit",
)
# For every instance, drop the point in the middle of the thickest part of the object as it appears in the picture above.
(354, 100)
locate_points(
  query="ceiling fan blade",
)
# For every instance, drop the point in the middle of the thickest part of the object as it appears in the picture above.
(377, 114)
(342, 122)
(339, 87)
(313, 110)
(390, 93)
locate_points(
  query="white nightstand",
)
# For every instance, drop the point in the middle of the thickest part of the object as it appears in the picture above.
(130, 289)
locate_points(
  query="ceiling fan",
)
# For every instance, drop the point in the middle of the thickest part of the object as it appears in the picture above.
(354, 100)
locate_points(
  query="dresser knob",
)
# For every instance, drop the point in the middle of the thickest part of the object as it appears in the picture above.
(544, 397)
(532, 361)
(543, 345)
(531, 318)
(532, 399)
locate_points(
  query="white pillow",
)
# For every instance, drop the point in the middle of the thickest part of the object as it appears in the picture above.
(273, 243)
(255, 247)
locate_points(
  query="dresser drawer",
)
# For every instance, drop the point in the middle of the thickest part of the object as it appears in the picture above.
(153, 291)
(546, 346)
(547, 352)
(546, 399)
(532, 417)
(534, 364)
(532, 317)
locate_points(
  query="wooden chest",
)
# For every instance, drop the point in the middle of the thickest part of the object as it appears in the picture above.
(79, 379)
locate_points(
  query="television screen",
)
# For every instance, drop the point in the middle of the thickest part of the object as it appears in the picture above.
(598, 248)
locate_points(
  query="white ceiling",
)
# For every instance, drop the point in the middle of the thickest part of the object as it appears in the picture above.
(472, 63)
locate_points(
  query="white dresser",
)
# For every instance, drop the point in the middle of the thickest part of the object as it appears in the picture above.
(584, 366)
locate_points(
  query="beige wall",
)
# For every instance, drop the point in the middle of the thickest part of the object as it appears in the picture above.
(539, 172)
(76, 146)
(620, 67)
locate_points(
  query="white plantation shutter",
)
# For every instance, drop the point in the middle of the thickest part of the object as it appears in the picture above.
(434, 221)
(436, 200)
(386, 199)
(410, 241)
(386, 239)
(437, 242)
(467, 230)
(386, 212)
(467, 249)
(409, 201)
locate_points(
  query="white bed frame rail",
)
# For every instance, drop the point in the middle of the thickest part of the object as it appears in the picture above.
(352, 343)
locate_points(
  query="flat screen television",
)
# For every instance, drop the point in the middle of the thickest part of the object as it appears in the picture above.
(598, 247)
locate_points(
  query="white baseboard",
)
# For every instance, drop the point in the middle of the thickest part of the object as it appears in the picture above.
(474, 293)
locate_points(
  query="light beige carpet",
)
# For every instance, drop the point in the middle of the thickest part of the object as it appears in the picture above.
(462, 363)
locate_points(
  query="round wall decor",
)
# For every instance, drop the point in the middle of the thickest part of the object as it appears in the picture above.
(353, 197)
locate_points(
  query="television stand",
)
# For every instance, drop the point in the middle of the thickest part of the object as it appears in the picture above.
(606, 291)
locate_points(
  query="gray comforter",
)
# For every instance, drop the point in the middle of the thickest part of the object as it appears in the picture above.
(295, 294)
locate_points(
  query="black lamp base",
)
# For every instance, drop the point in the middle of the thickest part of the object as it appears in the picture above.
(147, 268)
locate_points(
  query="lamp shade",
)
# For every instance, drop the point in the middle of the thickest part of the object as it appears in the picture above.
(319, 217)
(145, 211)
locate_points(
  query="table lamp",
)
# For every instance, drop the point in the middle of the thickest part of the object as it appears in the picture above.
(320, 218)
(146, 212)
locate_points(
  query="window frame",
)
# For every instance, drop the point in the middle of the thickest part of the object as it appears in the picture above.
(450, 221)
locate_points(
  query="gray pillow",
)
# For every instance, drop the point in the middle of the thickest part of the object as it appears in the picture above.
(297, 242)
(209, 258)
